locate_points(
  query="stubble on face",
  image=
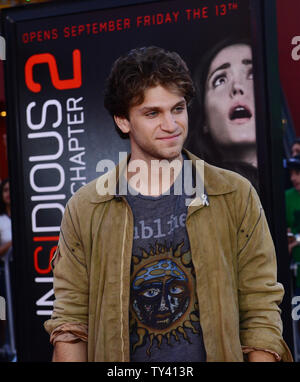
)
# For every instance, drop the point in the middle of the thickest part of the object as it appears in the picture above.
(158, 126)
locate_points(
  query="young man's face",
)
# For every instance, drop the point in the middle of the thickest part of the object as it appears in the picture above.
(295, 149)
(158, 127)
(295, 178)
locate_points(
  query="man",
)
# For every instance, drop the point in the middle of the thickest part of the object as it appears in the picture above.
(292, 201)
(145, 277)
(295, 149)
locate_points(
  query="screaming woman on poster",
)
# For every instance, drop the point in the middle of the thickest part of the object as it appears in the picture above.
(224, 132)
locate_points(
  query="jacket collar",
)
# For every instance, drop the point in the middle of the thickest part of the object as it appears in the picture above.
(215, 180)
(107, 185)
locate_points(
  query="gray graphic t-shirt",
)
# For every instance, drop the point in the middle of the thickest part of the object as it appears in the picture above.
(164, 312)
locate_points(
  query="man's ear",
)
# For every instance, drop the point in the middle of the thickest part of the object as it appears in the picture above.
(123, 124)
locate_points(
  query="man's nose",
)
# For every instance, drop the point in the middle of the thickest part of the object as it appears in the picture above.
(168, 123)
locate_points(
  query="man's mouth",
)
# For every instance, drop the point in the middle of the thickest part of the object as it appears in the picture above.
(171, 137)
(240, 113)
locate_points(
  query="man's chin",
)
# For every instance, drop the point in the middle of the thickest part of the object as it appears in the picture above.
(165, 153)
(171, 158)
(172, 154)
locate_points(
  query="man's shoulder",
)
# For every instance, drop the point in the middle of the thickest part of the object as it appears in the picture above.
(219, 181)
(292, 197)
(291, 192)
(85, 192)
(88, 195)
(225, 174)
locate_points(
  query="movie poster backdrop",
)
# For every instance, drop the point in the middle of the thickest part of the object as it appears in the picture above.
(59, 130)
(289, 58)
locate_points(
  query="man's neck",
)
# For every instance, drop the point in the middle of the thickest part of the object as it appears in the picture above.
(153, 177)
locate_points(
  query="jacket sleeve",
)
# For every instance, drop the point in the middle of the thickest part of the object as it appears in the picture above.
(259, 292)
(70, 311)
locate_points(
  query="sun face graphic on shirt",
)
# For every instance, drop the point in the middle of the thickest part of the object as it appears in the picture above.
(162, 302)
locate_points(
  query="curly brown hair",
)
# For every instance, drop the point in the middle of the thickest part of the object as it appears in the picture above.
(140, 69)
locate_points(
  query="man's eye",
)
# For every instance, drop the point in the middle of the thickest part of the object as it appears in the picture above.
(220, 80)
(179, 109)
(151, 114)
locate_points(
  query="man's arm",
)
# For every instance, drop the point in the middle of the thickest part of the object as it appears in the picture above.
(70, 352)
(292, 242)
(261, 356)
(70, 279)
(4, 248)
(259, 292)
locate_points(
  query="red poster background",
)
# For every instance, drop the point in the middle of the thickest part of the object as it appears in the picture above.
(3, 146)
(288, 27)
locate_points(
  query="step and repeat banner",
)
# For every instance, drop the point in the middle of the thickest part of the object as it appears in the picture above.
(59, 56)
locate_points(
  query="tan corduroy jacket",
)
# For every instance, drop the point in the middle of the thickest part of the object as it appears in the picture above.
(233, 256)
